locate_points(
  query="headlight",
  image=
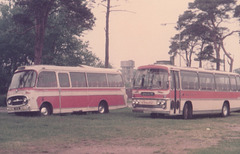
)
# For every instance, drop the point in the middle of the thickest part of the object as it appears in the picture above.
(134, 103)
(25, 100)
(162, 103)
(9, 102)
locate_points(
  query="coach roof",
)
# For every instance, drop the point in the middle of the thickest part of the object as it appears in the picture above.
(82, 68)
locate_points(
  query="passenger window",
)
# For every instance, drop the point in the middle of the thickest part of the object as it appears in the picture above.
(189, 80)
(47, 79)
(97, 80)
(233, 83)
(206, 81)
(78, 79)
(63, 80)
(222, 82)
(238, 83)
(115, 80)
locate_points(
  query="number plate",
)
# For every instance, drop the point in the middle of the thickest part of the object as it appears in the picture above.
(148, 102)
(17, 108)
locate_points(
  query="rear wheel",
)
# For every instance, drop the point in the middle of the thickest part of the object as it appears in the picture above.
(102, 108)
(45, 110)
(225, 110)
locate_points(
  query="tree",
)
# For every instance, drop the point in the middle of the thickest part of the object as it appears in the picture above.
(205, 18)
(77, 16)
(109, 9)
(62, 44)
(15, 49)
(212, 14)
(206, 54)
(107, 34)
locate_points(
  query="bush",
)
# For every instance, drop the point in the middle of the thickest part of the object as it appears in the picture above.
(2, 100)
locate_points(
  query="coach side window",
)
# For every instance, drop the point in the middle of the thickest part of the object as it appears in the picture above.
(115, 80)
(233, 83)
(238, 83)
(189, 80)
(47, 79)
(206, 81)
(63, 80)
(78, 79)
(222, 82)
(97, 80)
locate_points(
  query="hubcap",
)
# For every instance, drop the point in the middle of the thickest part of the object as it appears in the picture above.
(225, 110)
(44, 111)
(101, 109)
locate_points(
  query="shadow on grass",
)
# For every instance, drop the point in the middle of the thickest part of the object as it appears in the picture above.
(203, 116)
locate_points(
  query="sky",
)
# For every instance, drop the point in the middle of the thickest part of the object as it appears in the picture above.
(142, 33)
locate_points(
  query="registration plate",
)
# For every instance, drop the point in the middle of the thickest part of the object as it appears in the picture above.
(17, 108)
(148, 102)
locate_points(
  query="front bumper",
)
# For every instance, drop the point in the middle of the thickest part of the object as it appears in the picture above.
(24, 108)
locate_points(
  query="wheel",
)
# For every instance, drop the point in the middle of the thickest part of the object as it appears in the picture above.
(45, 110)
(102, 108)
(187, 112)
(225, 110)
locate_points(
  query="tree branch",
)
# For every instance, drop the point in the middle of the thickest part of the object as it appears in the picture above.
(236, 31)
(122, 11)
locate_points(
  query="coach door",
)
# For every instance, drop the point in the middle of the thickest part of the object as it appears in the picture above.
(64, 84)
(175, 93)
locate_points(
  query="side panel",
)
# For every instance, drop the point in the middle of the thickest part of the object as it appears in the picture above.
(114, 97)
(211, 101)
(47, 95)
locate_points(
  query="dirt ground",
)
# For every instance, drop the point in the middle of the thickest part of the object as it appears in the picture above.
(164, 145)
(176, 143)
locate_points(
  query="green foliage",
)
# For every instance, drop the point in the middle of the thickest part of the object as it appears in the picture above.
(62, 44)
(200, 27)
(15, 48)
(206, 54)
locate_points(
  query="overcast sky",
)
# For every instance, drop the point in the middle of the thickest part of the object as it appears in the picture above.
(140, 36)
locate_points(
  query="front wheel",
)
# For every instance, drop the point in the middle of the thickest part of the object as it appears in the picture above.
(45, 110)
(187, 111)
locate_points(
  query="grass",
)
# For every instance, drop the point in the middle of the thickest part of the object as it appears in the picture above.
(120, 127)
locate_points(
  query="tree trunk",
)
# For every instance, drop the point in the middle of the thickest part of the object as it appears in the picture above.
(229, 57)
(39, 39)
(217, 50)
(107, 35)
(41, 16)
(200, 63)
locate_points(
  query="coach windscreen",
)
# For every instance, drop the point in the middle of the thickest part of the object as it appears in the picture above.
(151, 79)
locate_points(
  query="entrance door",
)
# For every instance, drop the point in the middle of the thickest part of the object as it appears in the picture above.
(175, 93)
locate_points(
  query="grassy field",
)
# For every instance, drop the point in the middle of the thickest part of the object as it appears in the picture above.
(119, 130)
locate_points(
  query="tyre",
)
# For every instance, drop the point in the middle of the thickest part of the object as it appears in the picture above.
(187, 111)
(102, 108)
(45, 110)
(225, 110)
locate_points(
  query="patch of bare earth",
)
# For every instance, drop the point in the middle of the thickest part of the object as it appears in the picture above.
(175, 143)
